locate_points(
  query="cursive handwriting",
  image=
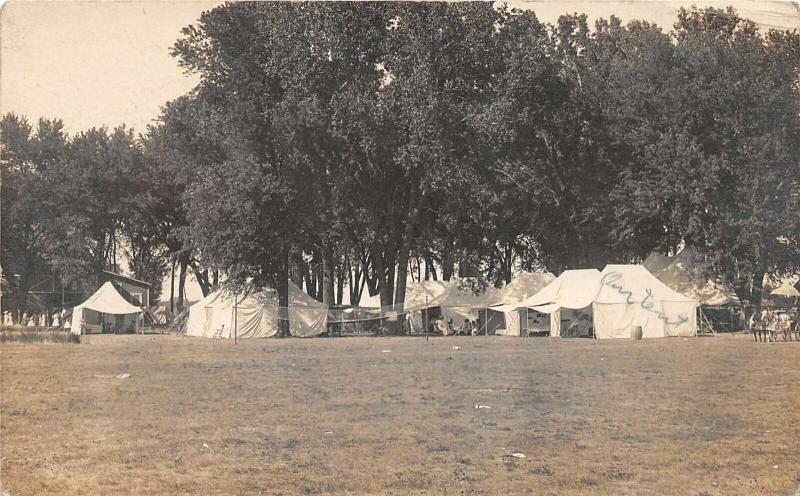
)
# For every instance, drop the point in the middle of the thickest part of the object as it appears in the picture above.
(612, 279)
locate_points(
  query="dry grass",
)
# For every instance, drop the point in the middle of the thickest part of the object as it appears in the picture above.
(339, 416)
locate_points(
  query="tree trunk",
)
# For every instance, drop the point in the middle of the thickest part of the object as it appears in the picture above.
(215, 279)
(447, 263)
(430, 268)
(182, 284)
(385, 288)
(756, 291)
(508, 263)
(282, 284)
(202, 280)
(327, 276)
(416, 199)
(296, 267)
(172, 289)
(339, 284)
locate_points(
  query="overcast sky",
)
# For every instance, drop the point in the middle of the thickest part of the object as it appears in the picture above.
(108, 63)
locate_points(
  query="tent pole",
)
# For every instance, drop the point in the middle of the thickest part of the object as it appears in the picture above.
(235, 316)
(730, 314)
(425, 316)
(526, 322)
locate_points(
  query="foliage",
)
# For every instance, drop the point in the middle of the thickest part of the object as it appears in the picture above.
(334, 141)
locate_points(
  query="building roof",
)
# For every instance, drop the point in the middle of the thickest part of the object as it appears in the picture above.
(130, 280)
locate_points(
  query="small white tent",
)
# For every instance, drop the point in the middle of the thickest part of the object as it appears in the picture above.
(105, 300)
(571, 290)
(255, 314)
(521, 287)
(786, 289)
(419, 297)
(460, 301)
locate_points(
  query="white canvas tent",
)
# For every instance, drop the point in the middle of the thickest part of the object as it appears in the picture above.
(786, 289)
(521, 287)
(571, 290)
(631, 296)
(419, 299)
(460, 302)
(419, 296)
(617, 299)
(106, 300)
(255, 314)
(686, 273)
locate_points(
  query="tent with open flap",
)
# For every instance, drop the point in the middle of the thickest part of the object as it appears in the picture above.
(91, 314)
(463, 299)
(609, 304)
(567, 298)
(513, 319)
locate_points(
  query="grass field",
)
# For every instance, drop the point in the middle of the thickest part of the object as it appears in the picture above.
(700, 416)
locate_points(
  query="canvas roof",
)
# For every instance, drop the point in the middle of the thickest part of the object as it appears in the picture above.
(571, 289)
(656, 263)
(686, 274)
(459, 294)
(419, 295)
(108, 300)
(523, 285)
(786, 289)
(634, 283)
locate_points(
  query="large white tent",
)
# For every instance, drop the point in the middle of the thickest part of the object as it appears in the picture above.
(616, 300)
(255, 314)
(106, 300)
(513, 319)
(687, 273)
(631, 296)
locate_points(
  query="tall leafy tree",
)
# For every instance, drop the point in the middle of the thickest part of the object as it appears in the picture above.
(27, 155)
(715, 154)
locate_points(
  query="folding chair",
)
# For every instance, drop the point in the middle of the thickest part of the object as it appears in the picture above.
(218, 333)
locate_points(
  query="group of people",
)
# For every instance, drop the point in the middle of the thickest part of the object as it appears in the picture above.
(775, 322)
(467, 328)
(54, 318)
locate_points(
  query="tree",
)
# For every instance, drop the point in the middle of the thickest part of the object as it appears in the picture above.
(175, 149)
(272, 106)
(93, 184)
(715, 154)
(27, 155)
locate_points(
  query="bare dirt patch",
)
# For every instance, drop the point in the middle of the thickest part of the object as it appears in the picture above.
(339, 416)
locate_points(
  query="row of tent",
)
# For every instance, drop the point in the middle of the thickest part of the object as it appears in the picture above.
(661, 296)
(617, 300)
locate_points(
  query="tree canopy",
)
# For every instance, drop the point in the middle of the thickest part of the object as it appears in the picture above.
(350, 144)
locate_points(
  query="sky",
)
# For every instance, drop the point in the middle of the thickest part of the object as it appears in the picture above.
(108, 62)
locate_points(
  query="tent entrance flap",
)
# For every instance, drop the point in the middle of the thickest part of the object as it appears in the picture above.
(105, 300)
